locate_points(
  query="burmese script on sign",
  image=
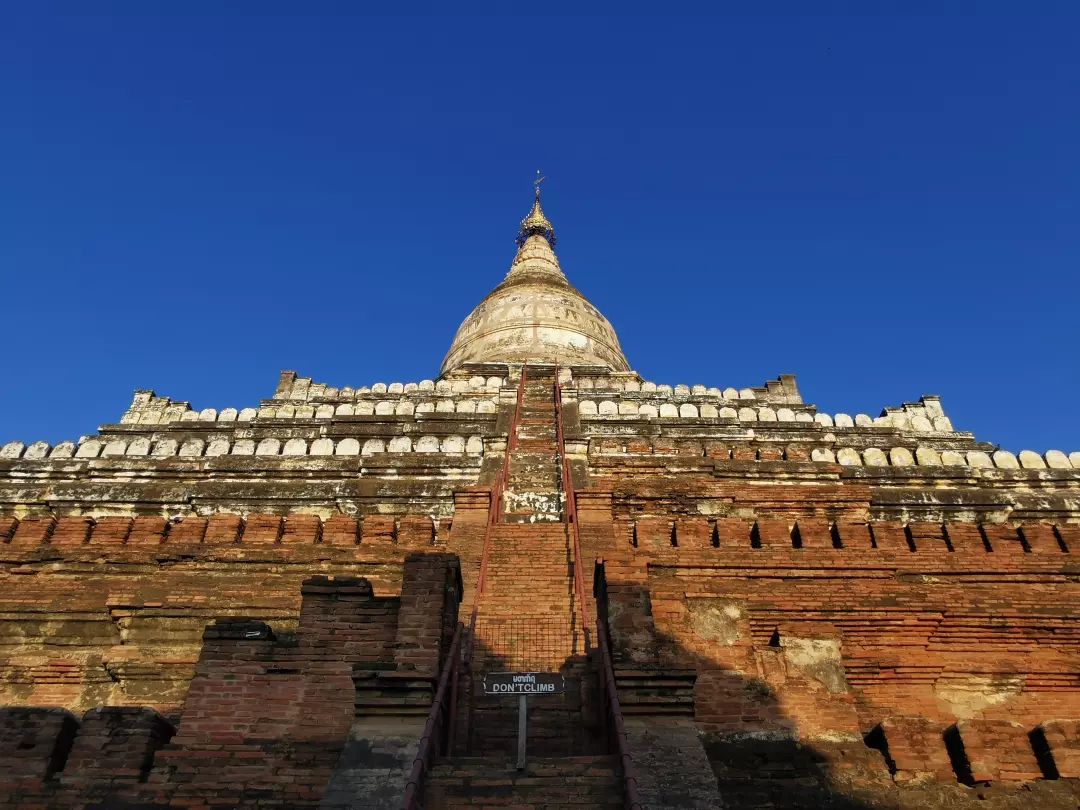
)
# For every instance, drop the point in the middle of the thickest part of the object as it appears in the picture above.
(523, 683)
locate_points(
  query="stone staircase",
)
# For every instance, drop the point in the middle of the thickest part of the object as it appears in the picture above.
(528, 620)
(563, 783)
(534, 483)
(530, 574)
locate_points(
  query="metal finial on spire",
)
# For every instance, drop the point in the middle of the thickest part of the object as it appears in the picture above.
(536, 223)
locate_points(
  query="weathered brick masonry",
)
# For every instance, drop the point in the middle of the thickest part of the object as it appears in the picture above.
(257, 607)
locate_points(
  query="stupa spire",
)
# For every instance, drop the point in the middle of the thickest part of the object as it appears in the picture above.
(535, 314)
(536, 224)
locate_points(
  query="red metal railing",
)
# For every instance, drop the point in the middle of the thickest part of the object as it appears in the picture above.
(435, 738)
(571, 509)
(631, 795)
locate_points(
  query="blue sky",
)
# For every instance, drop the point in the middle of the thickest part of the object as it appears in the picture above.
(884, 204)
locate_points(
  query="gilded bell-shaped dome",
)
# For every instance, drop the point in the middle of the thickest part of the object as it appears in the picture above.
(535, 314)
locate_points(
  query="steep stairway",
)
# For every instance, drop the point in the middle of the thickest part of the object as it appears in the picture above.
(528, 620)
(534, 491)
(546, 783)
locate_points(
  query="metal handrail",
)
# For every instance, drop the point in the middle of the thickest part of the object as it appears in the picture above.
(432, 728)
(571, 507)
(631, 795)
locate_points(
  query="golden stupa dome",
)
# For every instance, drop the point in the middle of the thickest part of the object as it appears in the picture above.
(535, 314)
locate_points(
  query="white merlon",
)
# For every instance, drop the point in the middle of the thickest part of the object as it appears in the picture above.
(322, 447)
(1055, 460)
(12, 450)
(848, 457)
(901, 457)
(347, 447)
(294, 447)
(875, 457)
(89, 449)
(41, 450)
(927, 457)
(1030, 460)
(1005, 460)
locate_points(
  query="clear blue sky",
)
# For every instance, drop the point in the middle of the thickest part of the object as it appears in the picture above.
(885, 205)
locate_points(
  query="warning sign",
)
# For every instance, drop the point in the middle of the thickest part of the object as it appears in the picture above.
(523, 683)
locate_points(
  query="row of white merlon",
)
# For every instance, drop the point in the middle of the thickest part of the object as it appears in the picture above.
(221, 446)
(929, 457)
(382, 408)
(587, 408)
(605, 384)
(474, 446)
(303, 389)
(688, 410)
(317, 390)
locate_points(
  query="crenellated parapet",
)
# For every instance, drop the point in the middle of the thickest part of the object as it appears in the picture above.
(302, 400)
(268, 713)
(833, 451)
(312, 448)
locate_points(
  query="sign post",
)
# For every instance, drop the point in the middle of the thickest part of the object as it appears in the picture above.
(523, 722)
(523, 684)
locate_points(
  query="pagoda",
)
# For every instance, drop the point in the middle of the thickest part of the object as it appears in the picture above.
(537, 580)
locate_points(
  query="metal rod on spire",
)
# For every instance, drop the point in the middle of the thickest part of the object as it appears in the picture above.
(538, 182)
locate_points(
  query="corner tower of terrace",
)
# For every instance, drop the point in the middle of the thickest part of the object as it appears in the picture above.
(736, 599)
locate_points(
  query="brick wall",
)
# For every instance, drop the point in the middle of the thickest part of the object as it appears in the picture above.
(267, 716)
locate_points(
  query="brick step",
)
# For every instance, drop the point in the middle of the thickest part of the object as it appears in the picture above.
(559, 615)
(544, 569)
(507, 604)
(533, 518)
(540, 531)
(516, 582)
(546, 553)
(537, 457)
(541, 485)
(548, 782)
(506, 580)
(548, 536)
(548, 549)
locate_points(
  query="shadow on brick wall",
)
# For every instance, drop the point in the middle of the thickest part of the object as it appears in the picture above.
(768, 750)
